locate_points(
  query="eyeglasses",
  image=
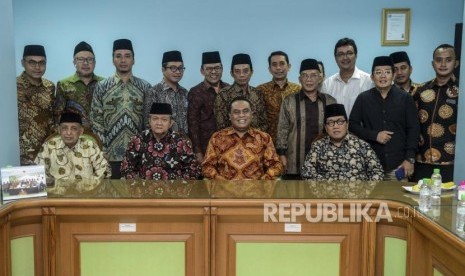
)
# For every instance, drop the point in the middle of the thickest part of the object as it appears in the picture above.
(81, 60)
(339, 122)
(385, 72)
(346, 54)
(309, 76)
(211, 69)
(237, 112)
(173, 68)
(34, 63)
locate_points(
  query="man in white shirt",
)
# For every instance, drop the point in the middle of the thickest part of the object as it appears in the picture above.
(349, 81)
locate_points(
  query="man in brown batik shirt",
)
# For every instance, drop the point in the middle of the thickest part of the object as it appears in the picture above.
(35, 100)
(277, 89)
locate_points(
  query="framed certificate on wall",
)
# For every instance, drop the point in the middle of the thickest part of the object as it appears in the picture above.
(396, 27)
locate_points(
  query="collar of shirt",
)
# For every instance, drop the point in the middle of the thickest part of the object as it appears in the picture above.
(75, 78)
(230, 131)
(355, 75)
(60, 144)
(451, 82)
(236, 87)
(167, 87)
(118, 79)
(344, 141)
(165, 138)
(276, 86)
(207, 85)
(28, 83)
(303, 96)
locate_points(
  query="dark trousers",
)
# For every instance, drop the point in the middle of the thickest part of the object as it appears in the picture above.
(426, 170)
(115, 169)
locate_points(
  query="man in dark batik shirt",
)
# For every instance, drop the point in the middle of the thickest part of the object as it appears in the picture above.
(201, 99)
(437, 102)
(169, 90)
(74, 93)
(35, 101)
(241, 71)
(403, 70)
(160, 153)
(340, 155)
(385, 117)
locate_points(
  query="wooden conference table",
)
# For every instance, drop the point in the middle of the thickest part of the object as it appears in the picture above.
(114, 227)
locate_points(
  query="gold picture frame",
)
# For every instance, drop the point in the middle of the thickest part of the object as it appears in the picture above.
(396, 27)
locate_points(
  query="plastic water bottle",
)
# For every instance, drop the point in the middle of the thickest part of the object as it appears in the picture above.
(435, 207)
(460, 220)
(436, 180)
(425, 195)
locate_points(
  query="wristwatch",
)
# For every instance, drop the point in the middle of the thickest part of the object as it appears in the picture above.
(411, 160)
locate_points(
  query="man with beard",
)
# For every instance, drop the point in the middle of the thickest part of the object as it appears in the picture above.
(201, 99)
(403, 70)
(74, 93)
(117, 110)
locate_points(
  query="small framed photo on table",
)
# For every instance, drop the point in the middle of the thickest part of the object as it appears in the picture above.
(396, 27)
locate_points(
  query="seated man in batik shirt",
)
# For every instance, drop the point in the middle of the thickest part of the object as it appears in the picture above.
(160, 153)
(70, 155)
(239, 151)
(340, 155)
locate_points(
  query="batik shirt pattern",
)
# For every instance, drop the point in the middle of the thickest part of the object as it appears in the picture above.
(251, 156)
(273, 96)
(353, 160)
(84, 161)
(35, 116)
(437, 110)
(117, 113)
(255, 97)
(171, 158)
(73, 95)
(162, 93)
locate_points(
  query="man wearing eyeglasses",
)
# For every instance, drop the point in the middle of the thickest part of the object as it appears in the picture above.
(201, 99)
(277, 89)
(301, 119)
(340, 155)
(240, 151)
(386, 117)
(117, 109)
(35, 103)
(74, 93)
(241, 71)
(350, 81)
(169, 90)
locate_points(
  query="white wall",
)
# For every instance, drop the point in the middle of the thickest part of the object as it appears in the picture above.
(9, 145)
(300, 27)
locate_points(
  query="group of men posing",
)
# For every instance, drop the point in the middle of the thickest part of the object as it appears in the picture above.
(222, 131)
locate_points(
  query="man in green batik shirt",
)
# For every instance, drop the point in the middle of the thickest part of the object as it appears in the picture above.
(117, 108)
(74, 93)
(35, 99)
